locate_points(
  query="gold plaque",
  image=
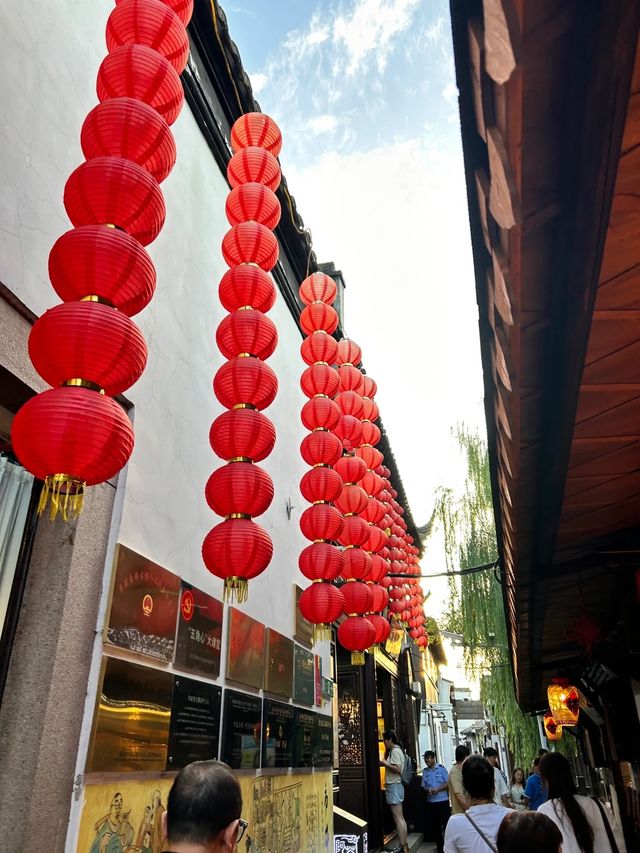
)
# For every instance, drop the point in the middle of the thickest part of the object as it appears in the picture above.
(245, 662)
(131, 720)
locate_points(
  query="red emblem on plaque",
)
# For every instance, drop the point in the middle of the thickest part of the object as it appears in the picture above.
(187, 605)
(147, 605)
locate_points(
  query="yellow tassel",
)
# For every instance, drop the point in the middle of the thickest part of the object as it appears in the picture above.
(321, 633)
(62, 494)
(236, 589)
(357, 658)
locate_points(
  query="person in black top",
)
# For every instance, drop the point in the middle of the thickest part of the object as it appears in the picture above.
(203, 810)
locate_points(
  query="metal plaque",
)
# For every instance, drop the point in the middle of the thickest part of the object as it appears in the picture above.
(199, 637)
(303, 677)
(241, 730)
(323, 744)
(131, 720)
(277, 734)
(279, 669)
(305, 737)
(245, 661)
(303, 629)
(144, 606)
(195, 722)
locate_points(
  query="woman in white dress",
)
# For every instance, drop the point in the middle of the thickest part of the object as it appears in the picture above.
(582, 821)
(516, 792)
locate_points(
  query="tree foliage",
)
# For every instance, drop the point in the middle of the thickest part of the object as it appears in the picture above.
(475, 608)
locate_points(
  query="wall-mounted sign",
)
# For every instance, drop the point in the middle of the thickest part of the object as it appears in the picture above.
(199, 638)
(241, 730)
(144, 606)
(327, 688)
(323, 744)
(305, 737)
(302, 629)
(277, 734)
(245, 659)
(195, 722)
(279, 665)
(131, 720)
(303, 676)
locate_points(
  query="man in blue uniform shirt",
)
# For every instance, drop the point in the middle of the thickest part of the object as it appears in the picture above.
(435, 782)
(535, 794)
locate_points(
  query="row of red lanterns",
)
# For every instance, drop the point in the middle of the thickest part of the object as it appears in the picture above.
(75, 435)
(238, 549)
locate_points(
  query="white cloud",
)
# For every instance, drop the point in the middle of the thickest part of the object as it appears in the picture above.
(258, 82)
(322, 124)
(450, 92)
(371, 29)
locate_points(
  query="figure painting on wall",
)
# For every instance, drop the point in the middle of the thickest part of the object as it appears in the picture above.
(114, 833)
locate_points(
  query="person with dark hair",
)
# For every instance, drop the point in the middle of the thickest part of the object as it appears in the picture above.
(457, 793)
(501, 793)
(393, 762)
(435, 783)
(475, 830)
(528, 832)
(535, 793)
(582, 821)
(203, 811)
(517, 790)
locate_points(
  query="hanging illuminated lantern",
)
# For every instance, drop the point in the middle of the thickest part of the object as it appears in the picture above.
(322, 486)
(238, 549)
(551, 729)
(74, 435)
(564, 702)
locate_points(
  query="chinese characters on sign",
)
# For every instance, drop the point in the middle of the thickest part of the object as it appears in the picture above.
(199, 639)
(195, 722)
(241, 730)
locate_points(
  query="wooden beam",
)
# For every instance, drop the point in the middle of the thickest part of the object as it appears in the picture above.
(503, 196)
(501, 39)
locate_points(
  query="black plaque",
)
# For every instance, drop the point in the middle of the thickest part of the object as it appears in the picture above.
(323, 746)
(199, 637)
(241, 728)
(303, 676)
(195, 722)
(305, 737)
(277, 734)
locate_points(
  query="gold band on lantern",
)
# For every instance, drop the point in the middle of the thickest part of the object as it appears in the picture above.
(248, 264)
(64, 494)
(320, 429)
(235, 589)
(317, 503)
(245, 406)
(237, 515)
(321, 465)
(239, 459)
(111, 225)
(76, 382)
(246, 355)
(245, 308)
(92, 297)
(315, 396)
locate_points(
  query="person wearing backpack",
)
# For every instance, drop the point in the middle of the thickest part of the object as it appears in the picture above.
(393, 763)
(435, 782)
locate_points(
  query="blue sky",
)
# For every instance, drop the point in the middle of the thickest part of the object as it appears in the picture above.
(364, 92)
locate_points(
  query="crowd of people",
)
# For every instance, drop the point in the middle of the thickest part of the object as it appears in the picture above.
(472, 809)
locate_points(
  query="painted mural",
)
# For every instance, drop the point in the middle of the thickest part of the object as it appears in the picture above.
(286, 814)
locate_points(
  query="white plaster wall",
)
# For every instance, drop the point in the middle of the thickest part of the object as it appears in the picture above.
(50, 51)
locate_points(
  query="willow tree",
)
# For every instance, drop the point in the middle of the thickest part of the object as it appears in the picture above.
(476, 607)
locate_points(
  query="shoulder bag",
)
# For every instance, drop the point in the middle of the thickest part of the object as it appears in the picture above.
(486, 840)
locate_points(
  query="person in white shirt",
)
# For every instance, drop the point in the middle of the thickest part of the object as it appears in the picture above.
(501, 794)
(475, 830)
(583, 822)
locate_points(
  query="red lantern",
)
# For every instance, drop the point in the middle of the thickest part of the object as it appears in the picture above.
(250, 243)
(369, 387)
(182, 8)
(242, 434)
(321, 522)
(236, 551)
(320, 413)
(247, 332)
(253, 165)
(256, 129)
(370, 412)
(358, 597)
(352, 500)
(350, 378)
(321, 448)
(239, 488)
(319, 347)
(356, 634)
(380, 598)
(357, 564)
(126, 128)
(253, 202)
(372, 484)
(349, 352)
(350, 403)
(71, 438)
(319, 288)
(321, 604)
(378, 569)
(245, 380)
(350, 468)
(355, 531)
(319, 317)
(153, 24)
(321, 561)
(113, 191)
(105, 262)
(370, 433)
(247, 287)
(319, 379)
(321, 484)
(373, 512)
(86, 343)
(371, 456)
(376, 539)
(349, 431)
(136, 71)
(381, 627)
